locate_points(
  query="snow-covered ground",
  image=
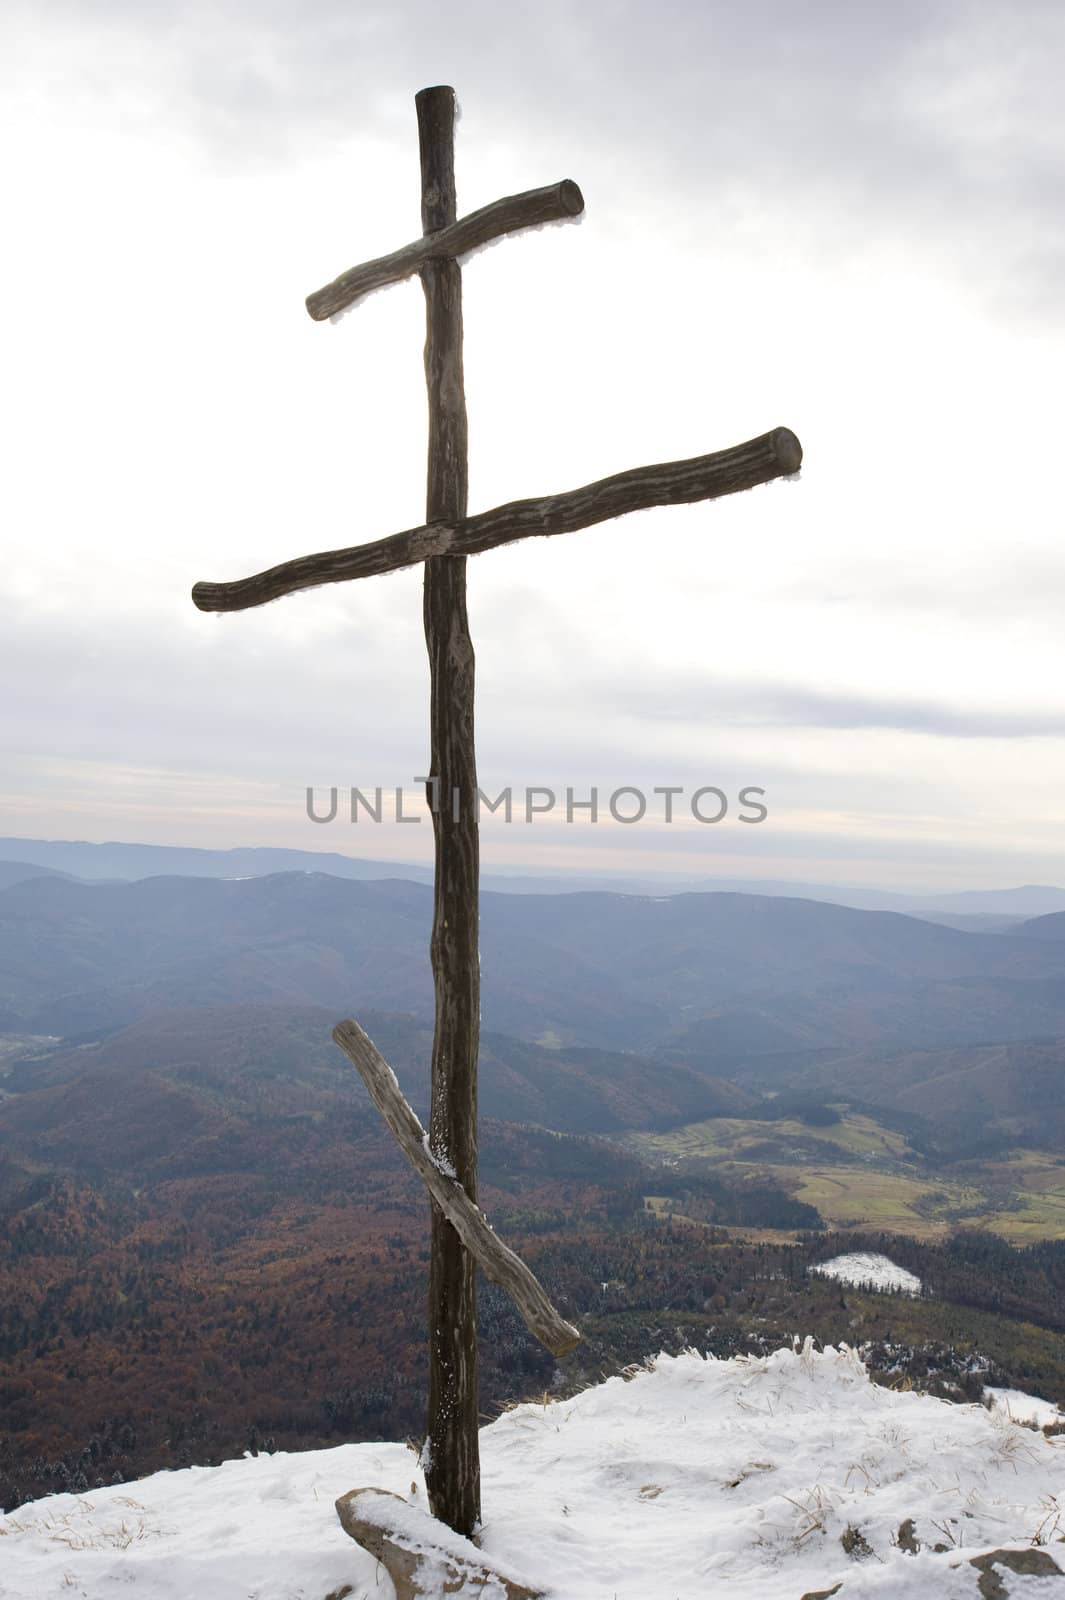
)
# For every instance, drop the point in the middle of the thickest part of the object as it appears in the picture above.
(746, 1478)
(864, 1270)
(1024, 1407)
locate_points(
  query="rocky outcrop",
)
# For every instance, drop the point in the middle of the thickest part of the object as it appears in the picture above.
(992, 1585)
(1026, 1563)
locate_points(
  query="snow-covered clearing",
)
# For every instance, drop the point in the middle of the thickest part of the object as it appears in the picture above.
(746, 1478)
(864, 1270)
(1024, 1407)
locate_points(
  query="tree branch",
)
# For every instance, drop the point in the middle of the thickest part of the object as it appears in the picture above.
(776, 454)
(499, 1263)
(558, 202)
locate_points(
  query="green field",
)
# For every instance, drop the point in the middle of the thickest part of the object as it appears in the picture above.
(859, 1174)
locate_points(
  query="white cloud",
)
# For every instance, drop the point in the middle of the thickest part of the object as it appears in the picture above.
(848, 223)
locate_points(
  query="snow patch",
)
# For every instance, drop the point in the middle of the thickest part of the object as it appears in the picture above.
(1023, 1407)
(865, 1270)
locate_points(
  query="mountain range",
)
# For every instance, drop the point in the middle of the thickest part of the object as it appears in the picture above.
(724, 975)
(972, 909)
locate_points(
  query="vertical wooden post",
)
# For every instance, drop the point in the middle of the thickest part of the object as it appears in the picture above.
(452, 1463)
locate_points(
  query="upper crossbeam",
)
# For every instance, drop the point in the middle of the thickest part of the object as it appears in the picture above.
(558, 202)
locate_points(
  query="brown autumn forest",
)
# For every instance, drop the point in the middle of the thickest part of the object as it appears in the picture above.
(192, 1262)
(186, 1274)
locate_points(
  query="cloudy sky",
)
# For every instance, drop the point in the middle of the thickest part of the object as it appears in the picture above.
(845, 218)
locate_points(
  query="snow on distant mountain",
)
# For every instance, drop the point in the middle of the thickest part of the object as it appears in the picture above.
(753, 1477)
(864, 1270)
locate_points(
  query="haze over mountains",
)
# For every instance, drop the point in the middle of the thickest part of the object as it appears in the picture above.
(730, 972)
(127, 861)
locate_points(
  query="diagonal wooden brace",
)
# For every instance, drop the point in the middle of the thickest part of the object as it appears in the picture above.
(496, 1260)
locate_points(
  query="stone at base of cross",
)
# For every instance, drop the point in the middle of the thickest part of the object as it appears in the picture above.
(416, 1550)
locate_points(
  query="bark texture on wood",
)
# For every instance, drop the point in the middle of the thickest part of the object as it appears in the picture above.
(776, 454)
(417, 1553)
(496, 1259)
(453, 1468)
(557, 202)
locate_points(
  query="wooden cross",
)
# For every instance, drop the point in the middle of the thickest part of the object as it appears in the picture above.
(447, 1157)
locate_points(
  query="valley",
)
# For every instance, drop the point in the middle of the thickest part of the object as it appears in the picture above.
(208, 1242)
(858, 1174)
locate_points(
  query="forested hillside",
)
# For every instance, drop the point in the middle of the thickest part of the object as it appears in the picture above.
(600, 970)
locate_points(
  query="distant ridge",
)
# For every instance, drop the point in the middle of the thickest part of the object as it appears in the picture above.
(1050, 927)
(617, 972)
(116, 859)
(12, 872)
(81, 859)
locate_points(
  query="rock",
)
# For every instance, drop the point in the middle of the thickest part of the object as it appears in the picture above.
(822, 1594)
(855, 1544)
(422, 1556)
(907, 1537)
(1026, 1563)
